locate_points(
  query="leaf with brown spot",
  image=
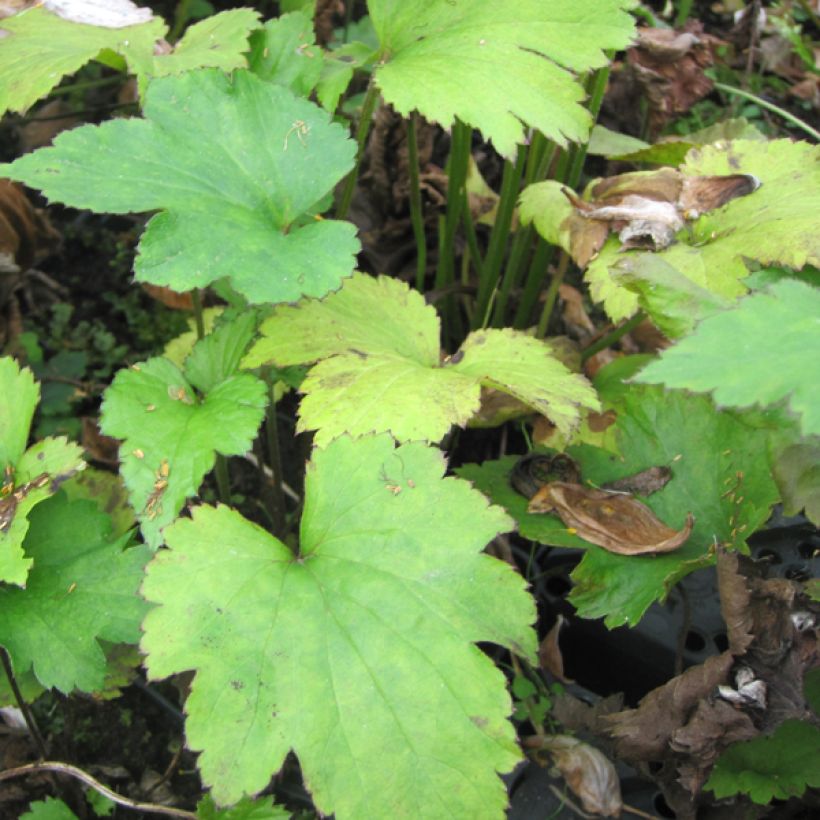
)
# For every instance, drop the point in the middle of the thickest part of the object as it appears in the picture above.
(618, 523)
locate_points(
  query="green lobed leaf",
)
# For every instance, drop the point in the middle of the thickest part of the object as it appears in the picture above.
(284, 52)
(718, 475)
(777, 766)
(337, 71)
(82, 587)
(705, 450)
(170, 434)
(230, 201)
(49, 809)
(386, 374)
(216, 357)
(776, 224)
(57, 459)
(358, 652)
(220, 41)
(673, 301)
(108, 492)
(497, 67)
(19, 394)
(737, 356)
(40, 48)
(246, 809)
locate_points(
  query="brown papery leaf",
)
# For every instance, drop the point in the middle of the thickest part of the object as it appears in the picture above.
(588, 772)
(550, 658)
(617, 522)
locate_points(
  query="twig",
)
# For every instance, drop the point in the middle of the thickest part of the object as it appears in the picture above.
(776, 109)
(83, 776)
(33, 729)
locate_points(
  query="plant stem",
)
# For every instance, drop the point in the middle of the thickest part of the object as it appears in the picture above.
(33, 729)
(538, 265)
(491, 269)
(274, 459)
(416, 214)
(684, 10)
(85, 85)
(610, 338)
(776, 109)
(199, 316)
(84, 777)
(371, 99)
(457, 165)
(552, 295)
(223, 479)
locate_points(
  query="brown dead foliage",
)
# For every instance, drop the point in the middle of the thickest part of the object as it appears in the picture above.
(646, 208)
(668, 67)
(616, 521)
(683, 726)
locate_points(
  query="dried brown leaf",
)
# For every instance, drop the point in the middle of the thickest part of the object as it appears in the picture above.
(588, 772)
(550, 658)
(644, 734)
(735, 598)
(647, 208)
(619, 523)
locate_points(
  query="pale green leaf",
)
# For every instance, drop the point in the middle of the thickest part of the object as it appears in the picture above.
(619, 302)
(36, 476)
(216, 42)
(358, 652)
(776, 224)
(284, 52)
(231, 202)
(170, 434)
(545, 205)
(777, 766)
(386, 374)
(40, 48)
(19, 394)
(760, 352)
(497, 67)
(673, 301)
(605, 142)
(82, 587)
(525, 367)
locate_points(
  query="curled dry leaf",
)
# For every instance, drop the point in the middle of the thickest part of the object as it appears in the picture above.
(647, 208)
(550, 658)
(588, 772)
(619, 523)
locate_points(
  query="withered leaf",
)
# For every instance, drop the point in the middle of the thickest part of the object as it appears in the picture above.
(617, 522)
(588, 772)
(647, 208)
(643, 483)
(550, 658)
